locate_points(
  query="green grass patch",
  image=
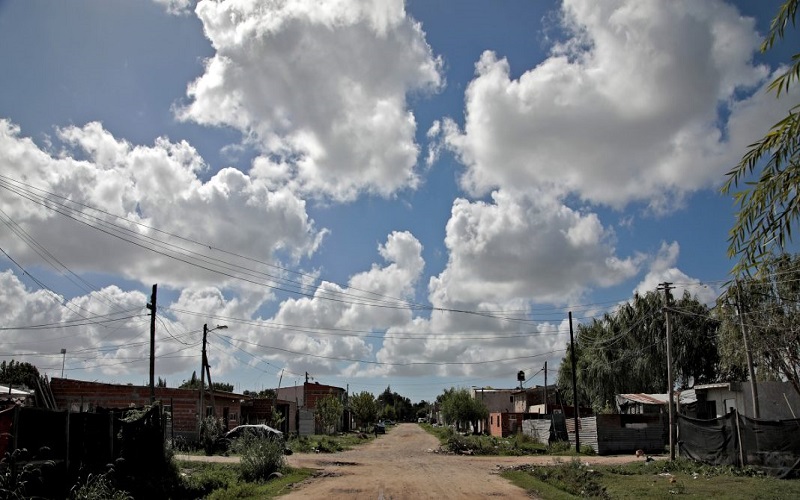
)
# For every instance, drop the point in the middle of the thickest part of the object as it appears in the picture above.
(516, 445)
(328, 444)
(215, 480)
(660, 479)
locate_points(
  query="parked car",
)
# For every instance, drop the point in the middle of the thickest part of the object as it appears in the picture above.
(258, 430)
(379, 428)
(388, 422)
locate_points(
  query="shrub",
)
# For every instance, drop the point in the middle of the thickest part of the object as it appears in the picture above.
(556, 447)
(259, 457)
(572, 477)
(98, 487)
(211, 429)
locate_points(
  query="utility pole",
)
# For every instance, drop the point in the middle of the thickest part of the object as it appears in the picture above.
(205, 369)
(203, 374)
(545, 387)
(670, 384)
(152, 307)
(574, 388)
(751, 371)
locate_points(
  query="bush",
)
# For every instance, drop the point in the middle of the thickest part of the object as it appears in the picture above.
(557, 447)
(259, 457)
(572, 477)
(98, 487)
(211, 429)
(200, 479)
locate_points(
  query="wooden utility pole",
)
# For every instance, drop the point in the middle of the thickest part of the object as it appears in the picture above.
(203, 374)
(670, 383)
(574, 388)
(545, 387)
(749, 355)
(152, 307)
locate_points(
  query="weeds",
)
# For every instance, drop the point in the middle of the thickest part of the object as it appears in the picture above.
(573, 477)
(98, 487)
(19, 478)
(260, 457)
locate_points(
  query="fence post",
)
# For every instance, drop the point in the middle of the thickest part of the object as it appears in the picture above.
(739, 437)
(66, 460)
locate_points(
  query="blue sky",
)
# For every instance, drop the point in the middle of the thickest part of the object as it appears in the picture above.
(377, 193)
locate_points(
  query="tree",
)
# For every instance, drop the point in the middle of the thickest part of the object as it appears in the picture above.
(15, 373)
(460, 408)
(364, 408)
(394, 406)
(768, 208)
(194, 383)
(328, 412)
(770, 308)
(625, 351)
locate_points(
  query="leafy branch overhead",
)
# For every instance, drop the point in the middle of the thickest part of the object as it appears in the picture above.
(769, 207)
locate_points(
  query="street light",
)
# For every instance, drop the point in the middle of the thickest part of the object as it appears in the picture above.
(204, 362)
(63, 360)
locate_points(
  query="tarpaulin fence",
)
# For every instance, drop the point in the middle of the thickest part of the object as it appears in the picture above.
(772, 446)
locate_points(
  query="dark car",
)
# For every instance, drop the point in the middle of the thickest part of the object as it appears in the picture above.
(379, 428)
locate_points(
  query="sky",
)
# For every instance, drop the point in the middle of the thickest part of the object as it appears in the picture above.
(375, 193)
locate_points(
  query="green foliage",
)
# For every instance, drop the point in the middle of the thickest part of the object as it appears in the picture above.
(328, 413)
(572, 477)
(625, 351)
(325, 444)
(559, 448)
(770, 305)
(201, 478)
(516, 445)
(194, 383)
(393, 406)
(20, 477)
(98, 487)
(769, 207)
(658, 479)
(211, 429)
(364, 408)
(259, 457)
(460, 408)
(15, 373)
(224, 481)
(684, 466)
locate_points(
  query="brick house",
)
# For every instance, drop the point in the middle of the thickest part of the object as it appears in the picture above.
(259, 411)
(183, 404)
(502, 424)
(305, 398)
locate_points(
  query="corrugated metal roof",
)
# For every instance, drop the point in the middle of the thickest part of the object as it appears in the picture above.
(4, 389)
(648, 399)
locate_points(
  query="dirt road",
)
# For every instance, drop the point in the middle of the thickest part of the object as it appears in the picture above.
(402, 465)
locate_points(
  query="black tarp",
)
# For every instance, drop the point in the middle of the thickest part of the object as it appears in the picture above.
(770, 445)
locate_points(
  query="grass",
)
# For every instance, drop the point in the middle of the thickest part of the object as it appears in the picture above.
(516, 445)
(328, 444)
(659, 480)
(219, 481)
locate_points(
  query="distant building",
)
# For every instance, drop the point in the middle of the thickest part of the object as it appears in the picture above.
(776, 400)
(305, 398)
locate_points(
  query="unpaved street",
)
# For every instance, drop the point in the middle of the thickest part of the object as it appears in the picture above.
(402, 465)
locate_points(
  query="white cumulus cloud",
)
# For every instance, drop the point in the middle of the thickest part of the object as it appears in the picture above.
(321, 84)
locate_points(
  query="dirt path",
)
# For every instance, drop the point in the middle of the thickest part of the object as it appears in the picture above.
(402, 465)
